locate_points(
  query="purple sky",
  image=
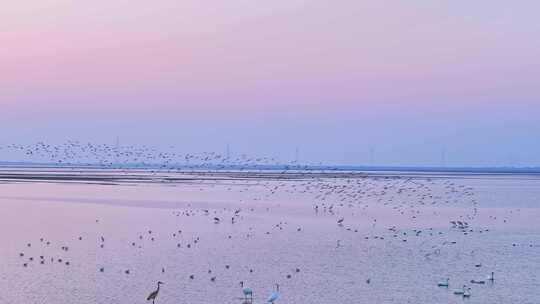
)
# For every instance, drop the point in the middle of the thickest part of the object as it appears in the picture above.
(406, 79)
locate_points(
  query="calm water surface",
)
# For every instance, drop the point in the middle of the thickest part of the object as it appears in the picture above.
(395, 233)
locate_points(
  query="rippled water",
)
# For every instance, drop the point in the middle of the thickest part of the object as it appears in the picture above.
(276, 232)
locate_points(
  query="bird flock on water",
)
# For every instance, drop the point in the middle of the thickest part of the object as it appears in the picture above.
(342, 197)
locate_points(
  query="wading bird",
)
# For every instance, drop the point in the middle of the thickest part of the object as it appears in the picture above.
(247, 292)
(154, 294)
(274, 295)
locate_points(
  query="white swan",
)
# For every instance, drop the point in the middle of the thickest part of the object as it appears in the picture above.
(467, 293)
(460, 291)
(444, 284)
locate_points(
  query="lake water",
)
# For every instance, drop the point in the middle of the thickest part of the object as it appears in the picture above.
(395, 243)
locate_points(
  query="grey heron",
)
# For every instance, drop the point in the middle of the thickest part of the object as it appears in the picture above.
(154, 294)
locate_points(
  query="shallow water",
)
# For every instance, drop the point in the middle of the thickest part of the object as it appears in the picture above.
(276, 232)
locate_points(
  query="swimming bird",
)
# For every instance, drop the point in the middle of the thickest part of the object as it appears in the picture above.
(444, 284)
(274, 295)
(460, 291)
(467, 293)
(154, 294)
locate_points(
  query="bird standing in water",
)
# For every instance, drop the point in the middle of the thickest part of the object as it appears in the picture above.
(154, 294)
(274, 295)
(247, 292)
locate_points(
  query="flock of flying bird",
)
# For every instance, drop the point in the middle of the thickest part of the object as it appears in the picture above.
(75, 153)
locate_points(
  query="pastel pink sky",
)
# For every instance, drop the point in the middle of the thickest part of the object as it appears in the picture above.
(123, 62)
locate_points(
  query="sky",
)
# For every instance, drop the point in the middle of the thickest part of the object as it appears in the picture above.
(353, 82)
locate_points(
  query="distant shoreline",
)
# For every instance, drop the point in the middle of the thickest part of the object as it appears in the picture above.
(104, 175)
(287, 168)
